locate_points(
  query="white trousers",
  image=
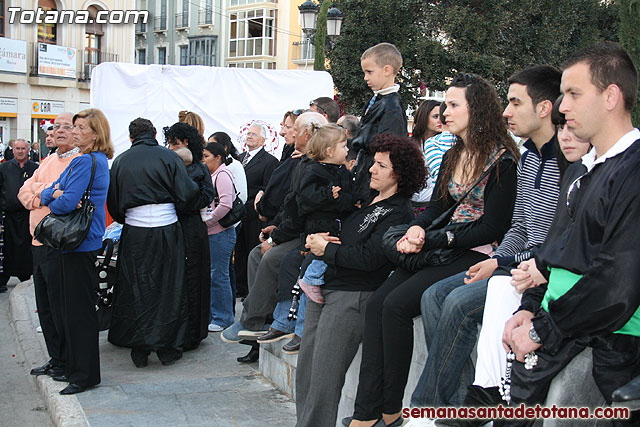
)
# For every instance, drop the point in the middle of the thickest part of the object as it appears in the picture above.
(502, 300)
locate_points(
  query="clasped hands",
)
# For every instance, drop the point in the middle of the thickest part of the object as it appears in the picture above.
(412, 242)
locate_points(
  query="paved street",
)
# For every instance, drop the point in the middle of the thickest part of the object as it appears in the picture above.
(21, 403)
(207, 387)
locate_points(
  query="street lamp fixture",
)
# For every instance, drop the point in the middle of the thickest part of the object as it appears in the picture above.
(334, 21)
(309, 12)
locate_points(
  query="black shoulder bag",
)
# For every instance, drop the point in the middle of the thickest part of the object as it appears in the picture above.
(431, 256)
(66, 232)
(238, 211)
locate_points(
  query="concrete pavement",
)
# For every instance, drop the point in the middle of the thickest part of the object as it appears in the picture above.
(207, 387)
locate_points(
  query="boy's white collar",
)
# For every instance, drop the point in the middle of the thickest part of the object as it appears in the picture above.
(387, 90)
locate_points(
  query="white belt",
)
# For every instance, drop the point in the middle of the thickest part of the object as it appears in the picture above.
(151, 216)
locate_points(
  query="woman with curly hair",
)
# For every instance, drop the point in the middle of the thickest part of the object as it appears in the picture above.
(475, 192)
(357, 266)
(197, 263)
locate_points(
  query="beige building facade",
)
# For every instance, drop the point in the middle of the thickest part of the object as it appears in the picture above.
(46, 61)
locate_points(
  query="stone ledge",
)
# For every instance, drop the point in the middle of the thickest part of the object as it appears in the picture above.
(280, 368)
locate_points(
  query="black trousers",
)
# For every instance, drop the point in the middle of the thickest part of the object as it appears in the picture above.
(81, 320)
(248, 238)
(47, 282)
(387, 344)
(616, 361)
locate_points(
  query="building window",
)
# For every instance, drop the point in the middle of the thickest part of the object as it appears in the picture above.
(184, 55)
(46, 31)
(92, 39)
(255, 65)
(160, 22)
(252, 33)
(205, 16)
(202, 51)
(162, 55)
(245, 2)
(142, 56)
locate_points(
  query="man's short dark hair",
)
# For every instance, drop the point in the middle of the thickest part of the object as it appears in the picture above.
(329, 107)
(542, 82)
(609, 64)
(140, 126)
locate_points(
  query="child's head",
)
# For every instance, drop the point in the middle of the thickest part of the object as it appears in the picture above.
(352, 155)
(380, 65)
(328, 144)
(185, 155)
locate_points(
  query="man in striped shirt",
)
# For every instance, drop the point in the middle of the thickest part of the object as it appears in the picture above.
(453, 307)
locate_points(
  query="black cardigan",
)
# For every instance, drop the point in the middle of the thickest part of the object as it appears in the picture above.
(499, 199)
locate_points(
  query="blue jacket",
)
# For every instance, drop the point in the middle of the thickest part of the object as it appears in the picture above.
(73, 182)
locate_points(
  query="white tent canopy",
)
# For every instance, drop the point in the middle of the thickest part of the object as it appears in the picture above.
(227, 99)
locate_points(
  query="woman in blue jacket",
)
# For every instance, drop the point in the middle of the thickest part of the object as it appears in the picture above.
(91, 134)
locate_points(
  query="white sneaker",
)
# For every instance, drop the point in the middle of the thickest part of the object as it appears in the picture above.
(215, 328)
(420, 422)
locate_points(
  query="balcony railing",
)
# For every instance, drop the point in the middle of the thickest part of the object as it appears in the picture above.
(85, 72)
(141, 27)
(205, 17)
(160, 23)
(182, 20)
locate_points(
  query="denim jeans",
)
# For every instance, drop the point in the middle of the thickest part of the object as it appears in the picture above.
(221, 246)
(282, 323)
(314, 275)
(451, 313)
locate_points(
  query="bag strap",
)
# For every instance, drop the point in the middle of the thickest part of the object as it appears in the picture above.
(87, 192)
(216, 198)
(447, 214)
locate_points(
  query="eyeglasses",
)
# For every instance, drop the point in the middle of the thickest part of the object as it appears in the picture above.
(298, 111)
(572, 196)
(312, 103)
(65, 127)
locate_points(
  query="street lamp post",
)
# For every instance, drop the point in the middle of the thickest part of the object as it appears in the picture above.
(309, 11)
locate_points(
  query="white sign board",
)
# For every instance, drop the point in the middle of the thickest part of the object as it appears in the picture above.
(13, 55)
(227, 99)
(8, 107)
(56, 61)
(43, 109)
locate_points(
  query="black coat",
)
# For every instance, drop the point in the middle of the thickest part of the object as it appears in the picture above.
(290, 223)
(277, 189)
(198, 260)
(287, 151)
(12, 176)
(148, 174)
(387, 114)
(258, 172)
(323, 213)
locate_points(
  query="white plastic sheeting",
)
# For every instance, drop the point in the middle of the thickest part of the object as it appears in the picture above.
(227, 99)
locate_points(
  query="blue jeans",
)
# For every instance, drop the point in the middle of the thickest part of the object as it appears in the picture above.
(221, 246)
(282, 323)
(451, 313)
(314, 275)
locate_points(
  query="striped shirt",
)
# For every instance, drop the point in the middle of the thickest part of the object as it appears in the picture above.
(536, 198)
(434, 149)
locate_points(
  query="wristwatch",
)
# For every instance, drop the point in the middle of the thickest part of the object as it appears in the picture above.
(271, 242)
(451, 238)
(534, 335)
